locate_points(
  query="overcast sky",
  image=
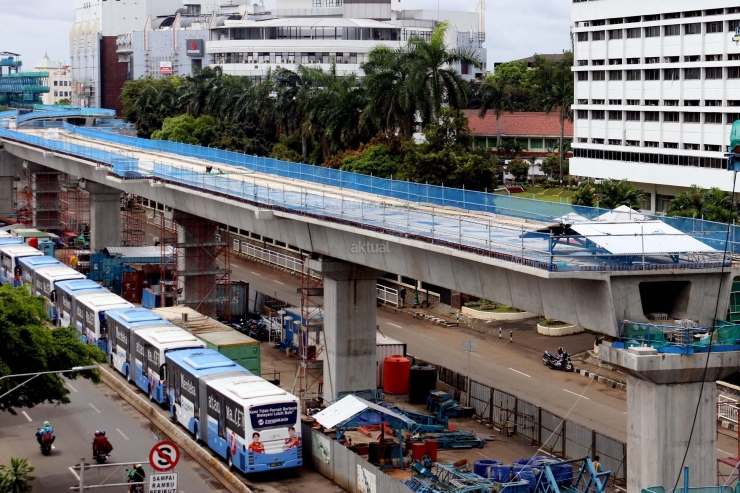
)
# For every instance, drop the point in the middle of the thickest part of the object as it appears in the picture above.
(514, 28)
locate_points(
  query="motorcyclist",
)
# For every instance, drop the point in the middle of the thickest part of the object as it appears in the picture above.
(101, 444)
(136, 475)
(45, 434)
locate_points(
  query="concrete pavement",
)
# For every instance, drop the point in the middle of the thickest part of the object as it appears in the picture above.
(92, 408)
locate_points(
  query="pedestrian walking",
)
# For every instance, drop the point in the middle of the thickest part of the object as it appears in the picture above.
(402, 297)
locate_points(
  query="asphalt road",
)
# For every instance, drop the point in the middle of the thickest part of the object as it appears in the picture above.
(92, 408)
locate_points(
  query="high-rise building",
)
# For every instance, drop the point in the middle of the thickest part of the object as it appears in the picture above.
(60, 80)
(657, 88)
(97, 75)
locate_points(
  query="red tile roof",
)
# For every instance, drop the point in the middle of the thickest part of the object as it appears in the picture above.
(520, 124)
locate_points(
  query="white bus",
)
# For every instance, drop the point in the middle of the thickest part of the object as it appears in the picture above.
(9, 256)
(44, 284)
(89, 317)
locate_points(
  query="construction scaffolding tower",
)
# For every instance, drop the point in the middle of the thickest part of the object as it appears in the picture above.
(202, 257)
(74, 212)
(39, 199)
(167, 241)
(133, 221)
(309, 378)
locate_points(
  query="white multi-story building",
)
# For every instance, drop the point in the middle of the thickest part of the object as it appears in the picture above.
(317, 32)
(657, 88)
(60, 80)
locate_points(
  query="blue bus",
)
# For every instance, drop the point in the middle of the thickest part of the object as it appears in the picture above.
(66, 297)
(121, 322)
(10, 255)
(187, 372)
(28, 265)
(150, 346)
(252, 424)
(45, 280)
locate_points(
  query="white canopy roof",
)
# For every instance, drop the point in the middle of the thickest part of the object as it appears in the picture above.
(622, 214)
(636, 238)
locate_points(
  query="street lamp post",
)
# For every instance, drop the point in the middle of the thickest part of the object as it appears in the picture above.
(34, 375)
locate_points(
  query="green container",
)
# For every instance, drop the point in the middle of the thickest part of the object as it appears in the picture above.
(240, 348)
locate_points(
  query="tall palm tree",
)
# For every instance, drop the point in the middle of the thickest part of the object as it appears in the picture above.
(614, 193)
(496, 95)
(434, 75)
(194, 93)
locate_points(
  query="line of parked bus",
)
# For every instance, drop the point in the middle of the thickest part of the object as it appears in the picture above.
(251, 423)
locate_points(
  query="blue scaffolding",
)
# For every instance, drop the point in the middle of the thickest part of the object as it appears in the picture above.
(20, 88)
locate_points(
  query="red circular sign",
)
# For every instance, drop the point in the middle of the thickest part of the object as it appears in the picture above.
(164, 456)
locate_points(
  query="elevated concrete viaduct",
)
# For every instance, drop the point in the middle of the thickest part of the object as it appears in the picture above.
(595, 300)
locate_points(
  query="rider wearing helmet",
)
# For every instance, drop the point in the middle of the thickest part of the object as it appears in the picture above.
(101, 443)
(45, 434)
(136, 475)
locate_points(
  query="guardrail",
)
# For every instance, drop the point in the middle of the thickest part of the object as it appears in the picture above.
(727, 408)
(443, 228)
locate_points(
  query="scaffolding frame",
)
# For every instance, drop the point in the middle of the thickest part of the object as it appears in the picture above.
(309, 373)
(133, 221)
(74, 206)
(168, 257)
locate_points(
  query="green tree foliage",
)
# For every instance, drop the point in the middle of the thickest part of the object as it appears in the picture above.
(27, 345)
(550, 166)
(63, 102)
(377, 160)
(188, 130)
(519, 168)
(512, 147)
(584, 195)
(711, 205)
(615, 193)
(16, 478)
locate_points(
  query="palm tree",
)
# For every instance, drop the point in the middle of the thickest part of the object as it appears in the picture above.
(195, 91)
(16, 478)
(614, 193)
(712, 205)
(496, 95)
(434, 76)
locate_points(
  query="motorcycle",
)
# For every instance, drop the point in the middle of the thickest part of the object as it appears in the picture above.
(563, 364)
(44, 444)
(548, 359)
(101, 457)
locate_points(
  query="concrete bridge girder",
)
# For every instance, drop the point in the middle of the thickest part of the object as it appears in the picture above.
(593, 300)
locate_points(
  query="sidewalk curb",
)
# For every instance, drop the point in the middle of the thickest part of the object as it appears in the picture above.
(729, 425)
(608, 381)
(212, 464)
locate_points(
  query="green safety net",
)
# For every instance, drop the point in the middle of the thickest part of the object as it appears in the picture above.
(735, 135)
(725, 334)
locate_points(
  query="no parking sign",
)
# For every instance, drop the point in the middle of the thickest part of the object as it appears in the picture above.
(164, 456)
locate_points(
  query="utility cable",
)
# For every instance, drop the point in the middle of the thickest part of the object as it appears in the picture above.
(711, 332)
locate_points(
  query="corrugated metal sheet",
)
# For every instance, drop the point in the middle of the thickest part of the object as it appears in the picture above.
(636, 238)
(140, 252)
(350, 406)
(228, 338)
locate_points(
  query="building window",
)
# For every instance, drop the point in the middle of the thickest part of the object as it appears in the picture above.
(712, 58)
(583, 101)
(691, 118)
(652, 116)
(56, 93)
(694, 28)
(713, 73)
(582, 36)
(597, 114)
(731, 118)
(615, 115)
(615, 61)
(582, 63)
(633, 116)
(671, 74)
(652, 102)
(615, 34)
(670, 116)
(633, 61)
(597, 141)
(714, 27)
(670, 145)
(733, 72)
(537, 143)
(652, 74)
(652, 32)
(633, 32)
(615, 75)
(633, 75)
(55, 83)
(597, 62)
(615, 142)
(733, 24)
(633, 143)
(598, 36)
(597, 101)
(598, 75)
(663, 203)
(670, 102)
(615, 101)
(583, 75)
(670, 59)
(673, 30)
(712, 148)
(691, 102)
(712, 102)
(650, 144)
(582, 114)
(692, 58)
(692, 73)
(691, 147)
(633, 102)
(712, 117)
(652, 59)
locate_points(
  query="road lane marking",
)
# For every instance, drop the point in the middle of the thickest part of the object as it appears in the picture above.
(432, 338)
(27, 416)
(724, 451)
(96, 409)
(255, 273)
(476, 355)
(397, 326)
(70, 386)
(579, 395)
(77, 476)
(512, 369)
(279, 282)
(124, 436)
(624, 412)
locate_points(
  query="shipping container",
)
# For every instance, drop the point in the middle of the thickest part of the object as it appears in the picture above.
(151, 299)
(133, 283)
(238, 347)
(239, 299)
(386, 347)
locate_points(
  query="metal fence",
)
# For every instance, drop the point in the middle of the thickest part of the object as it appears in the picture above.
(347, 469)
(539, 427)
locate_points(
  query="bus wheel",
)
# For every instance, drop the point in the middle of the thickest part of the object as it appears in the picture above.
(196, 434)
(229, 461)
(128, 374)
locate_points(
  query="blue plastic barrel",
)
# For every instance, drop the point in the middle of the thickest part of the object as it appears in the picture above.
(501, 473)
(480, 467)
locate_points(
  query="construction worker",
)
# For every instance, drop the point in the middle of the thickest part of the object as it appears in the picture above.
(597, 465)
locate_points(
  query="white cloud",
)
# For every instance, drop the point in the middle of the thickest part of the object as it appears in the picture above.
(514, 28)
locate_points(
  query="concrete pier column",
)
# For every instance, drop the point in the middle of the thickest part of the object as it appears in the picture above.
(662, 395)
(10, 169)
(46, 190)
(198, 267)
(105, 215)
(350, 297)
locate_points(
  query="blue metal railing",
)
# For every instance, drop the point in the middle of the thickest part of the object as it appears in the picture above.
(8, 113)
(77, 109)
(65, 113)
